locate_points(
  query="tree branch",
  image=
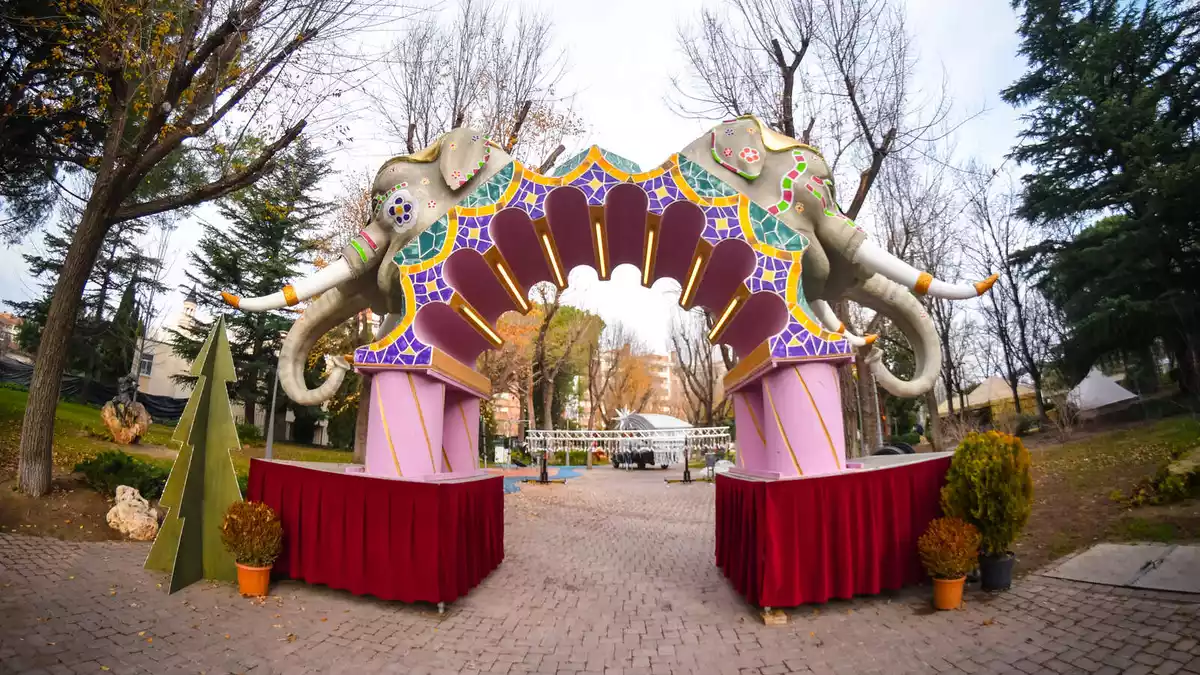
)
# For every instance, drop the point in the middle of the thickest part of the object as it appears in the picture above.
(212, 190)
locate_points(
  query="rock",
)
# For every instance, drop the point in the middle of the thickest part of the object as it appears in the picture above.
(132, 516)
(126, 423)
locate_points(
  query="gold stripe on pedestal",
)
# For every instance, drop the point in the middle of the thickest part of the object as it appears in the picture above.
(779, 423)
(421, 416)
(820, 417)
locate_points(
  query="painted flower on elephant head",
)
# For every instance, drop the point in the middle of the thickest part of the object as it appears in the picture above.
(457, 175)
(729, 132)
(728, 152)
(432, 204)
(749, 154)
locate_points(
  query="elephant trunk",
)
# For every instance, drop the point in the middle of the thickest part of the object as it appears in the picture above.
(325, 313)
(896, 303)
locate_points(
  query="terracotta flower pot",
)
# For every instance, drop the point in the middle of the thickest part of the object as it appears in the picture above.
(947, 593)
(253, 581)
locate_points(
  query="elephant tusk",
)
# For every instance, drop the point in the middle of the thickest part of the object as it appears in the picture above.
(879, 261)
(827, 317)
(322, 280)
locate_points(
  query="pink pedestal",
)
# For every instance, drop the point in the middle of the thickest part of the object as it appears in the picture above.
(790, 422)
(421, 427)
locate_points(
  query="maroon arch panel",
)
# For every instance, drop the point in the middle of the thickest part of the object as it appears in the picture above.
(625, 218)
(681, 227)
(467, 272)
(438, 325)
(570, 223)
(513, 233)
(763, 315)
(731, 261)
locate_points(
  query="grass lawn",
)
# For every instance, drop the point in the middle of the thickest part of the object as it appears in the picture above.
(1074, 483)
(72, 510)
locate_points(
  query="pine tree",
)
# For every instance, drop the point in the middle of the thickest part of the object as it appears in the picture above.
(272, 235)
(203, 482)
(1111, 123)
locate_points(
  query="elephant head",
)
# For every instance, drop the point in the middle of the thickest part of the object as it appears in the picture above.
(409, 194)
(792, 181)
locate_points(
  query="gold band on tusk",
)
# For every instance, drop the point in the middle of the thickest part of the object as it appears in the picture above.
(289, 294)
(923, 282)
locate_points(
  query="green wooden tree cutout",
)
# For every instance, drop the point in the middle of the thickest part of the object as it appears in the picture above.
(203, 482)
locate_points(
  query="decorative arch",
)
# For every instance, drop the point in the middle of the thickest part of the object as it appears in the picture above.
(520, 228)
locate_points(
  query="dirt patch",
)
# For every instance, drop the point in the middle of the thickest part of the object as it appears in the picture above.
(71, 511)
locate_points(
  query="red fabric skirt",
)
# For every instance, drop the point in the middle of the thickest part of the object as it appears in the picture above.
(783, 543)
(394, 539)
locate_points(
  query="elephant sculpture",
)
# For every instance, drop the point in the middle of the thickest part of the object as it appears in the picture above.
(792, 181)
(787, 178)
(409, 194)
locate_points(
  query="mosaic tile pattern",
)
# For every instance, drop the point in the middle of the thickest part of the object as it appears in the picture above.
(425, 246)
(491, 191)
(569, 164)
(728, 215)
(620, 162)
(704, 183)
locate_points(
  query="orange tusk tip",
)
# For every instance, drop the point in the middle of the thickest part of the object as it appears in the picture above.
(230, 299)
(870, 339)
(984, 286)
(349, 358)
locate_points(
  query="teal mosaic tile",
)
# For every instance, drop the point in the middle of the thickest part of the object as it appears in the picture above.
(491, 191)
(771, 231)
(620, 162)
(569, 164)
(704, 183)
(426, 245)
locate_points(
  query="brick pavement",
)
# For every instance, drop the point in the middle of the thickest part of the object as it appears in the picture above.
(611, 573)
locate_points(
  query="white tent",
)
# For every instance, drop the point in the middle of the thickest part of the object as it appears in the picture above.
(1098, 391)
(992, 392)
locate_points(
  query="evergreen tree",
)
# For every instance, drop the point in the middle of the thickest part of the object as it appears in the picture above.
(273, 234)
(1111, 130)
(122, 261)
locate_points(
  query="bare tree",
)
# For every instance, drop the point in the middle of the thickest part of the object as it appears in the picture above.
(502, 79)
(607, 358)
(1017, 311)
(697, 365)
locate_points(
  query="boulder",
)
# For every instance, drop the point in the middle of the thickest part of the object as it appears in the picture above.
(132, 516)
(126, 423)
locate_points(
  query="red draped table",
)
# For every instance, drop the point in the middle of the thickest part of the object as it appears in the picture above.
(784, 543)
(395, 539)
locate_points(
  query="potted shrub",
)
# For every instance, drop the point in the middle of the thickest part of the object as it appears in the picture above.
(251, 531)
(989, 486)
(949, 549)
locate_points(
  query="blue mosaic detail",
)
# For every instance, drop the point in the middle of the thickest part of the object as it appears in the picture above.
(704, 183)
(569, 164)
(426, 245)
(491, 191)
(620, 162)
(773, 232)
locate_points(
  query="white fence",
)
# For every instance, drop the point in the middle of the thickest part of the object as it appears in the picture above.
(669, 446)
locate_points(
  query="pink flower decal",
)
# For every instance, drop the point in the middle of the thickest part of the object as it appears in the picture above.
(749, 154)
(432, 204)
(729, 132)
(457, 175)
(452, 146)
(728, 152)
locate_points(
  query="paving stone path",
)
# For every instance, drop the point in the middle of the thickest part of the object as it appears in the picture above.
(611, 573)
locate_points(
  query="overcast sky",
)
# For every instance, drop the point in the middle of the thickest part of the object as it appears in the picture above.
(621, 54)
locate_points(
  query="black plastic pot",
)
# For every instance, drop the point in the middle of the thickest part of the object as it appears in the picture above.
(995, 571)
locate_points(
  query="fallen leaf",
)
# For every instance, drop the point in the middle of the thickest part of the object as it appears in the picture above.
(324, 618)
(141, 633)
(277, 616)
(103, 667)
(51, 643)
(227, 636)
(988, 622)
(71, 577)
(149, 639)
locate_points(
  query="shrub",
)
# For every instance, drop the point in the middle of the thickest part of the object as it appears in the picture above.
(111, 468)
(989, 486)
(949, 548)
(248, 433)
(252, 533)
(911, 438)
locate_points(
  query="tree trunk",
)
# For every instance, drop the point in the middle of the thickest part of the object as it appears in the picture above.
(868, 397)
(37, 428)
(530, 423)
(548, 404)
(934, 431)
(360, 420)
(849, 394)
(248, 407)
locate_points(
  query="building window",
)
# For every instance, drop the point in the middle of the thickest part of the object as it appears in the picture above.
(147, 363)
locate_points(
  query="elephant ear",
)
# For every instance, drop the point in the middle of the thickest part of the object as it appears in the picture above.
(738, 146)
(464, 153)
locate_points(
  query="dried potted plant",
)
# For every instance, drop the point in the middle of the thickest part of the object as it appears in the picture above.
(251, 531)
(989, 485)
(949, 549)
